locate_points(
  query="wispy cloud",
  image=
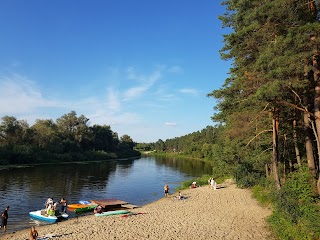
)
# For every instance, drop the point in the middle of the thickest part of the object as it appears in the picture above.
(175, 69)
(113, 101)
(191, 91)
(170, 124)
(19, 94)
(145, 83)
(24, 99)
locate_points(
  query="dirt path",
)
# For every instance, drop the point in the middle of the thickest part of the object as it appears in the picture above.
(227, 213)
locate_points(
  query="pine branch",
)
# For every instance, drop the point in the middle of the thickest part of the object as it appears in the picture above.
(258, 135)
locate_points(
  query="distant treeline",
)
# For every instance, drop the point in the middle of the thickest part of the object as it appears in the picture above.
(207, 144)
(69, 138)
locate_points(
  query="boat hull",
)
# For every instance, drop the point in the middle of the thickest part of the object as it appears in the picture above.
(40, 216)
(37, 215)
(85, 209)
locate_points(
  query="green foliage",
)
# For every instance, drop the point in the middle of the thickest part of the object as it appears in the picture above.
(127, 153)
(296, 210)
(264, 192)
(66, 140)
(245, 175)
(100, 155)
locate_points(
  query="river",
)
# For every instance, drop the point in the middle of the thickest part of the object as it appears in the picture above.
(139, 181)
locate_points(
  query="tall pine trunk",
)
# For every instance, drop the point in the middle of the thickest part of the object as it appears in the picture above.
(275, 154)
(295, 138)
(308, 142)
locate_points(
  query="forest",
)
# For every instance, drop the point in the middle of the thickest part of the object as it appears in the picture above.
(69, 138)
(267, 120)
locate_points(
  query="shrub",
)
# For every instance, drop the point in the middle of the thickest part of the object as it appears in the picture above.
(245, 175)
(264, 192)
(296, 213)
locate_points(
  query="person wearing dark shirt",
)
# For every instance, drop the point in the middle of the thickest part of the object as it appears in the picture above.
(4, 218)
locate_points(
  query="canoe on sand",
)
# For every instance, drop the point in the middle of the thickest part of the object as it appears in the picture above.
(110, 213)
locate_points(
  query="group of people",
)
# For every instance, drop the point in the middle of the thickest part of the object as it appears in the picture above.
(51, 206)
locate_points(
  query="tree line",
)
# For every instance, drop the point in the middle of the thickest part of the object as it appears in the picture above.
(69, 138)
(270, 104)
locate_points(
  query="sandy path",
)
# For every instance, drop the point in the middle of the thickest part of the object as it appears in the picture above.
(227, 213)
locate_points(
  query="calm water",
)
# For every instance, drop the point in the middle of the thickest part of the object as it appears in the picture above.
(137, 181)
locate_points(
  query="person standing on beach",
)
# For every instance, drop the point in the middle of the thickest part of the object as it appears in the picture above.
(213, 184)
(166, 190)
(4, 218)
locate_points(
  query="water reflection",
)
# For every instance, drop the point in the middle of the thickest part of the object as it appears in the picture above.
(136, 181)
(193, 167)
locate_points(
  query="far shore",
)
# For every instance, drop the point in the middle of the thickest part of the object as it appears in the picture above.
(204, 213)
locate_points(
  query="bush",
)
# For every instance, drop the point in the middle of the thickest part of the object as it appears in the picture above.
(245, 175)
(296, 213)
(264, 192)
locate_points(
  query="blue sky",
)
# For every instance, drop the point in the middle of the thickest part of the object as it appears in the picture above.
(143, 67)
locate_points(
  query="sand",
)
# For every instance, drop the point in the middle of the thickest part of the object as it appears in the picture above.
(225, 213)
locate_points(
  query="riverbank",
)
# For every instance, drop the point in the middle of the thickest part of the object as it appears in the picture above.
(227, 213)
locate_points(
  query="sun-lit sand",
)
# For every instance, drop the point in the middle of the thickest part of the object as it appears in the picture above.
(225, 213)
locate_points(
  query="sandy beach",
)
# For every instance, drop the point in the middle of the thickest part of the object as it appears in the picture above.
(225, 213)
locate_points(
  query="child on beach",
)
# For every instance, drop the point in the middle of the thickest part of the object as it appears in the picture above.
(98, 209)
(166, 190)
(180, 196)
(33, 233)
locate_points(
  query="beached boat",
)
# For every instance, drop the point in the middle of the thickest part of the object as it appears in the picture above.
(41, 215)
(80, 207)
(86, 208)
(110, 213)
